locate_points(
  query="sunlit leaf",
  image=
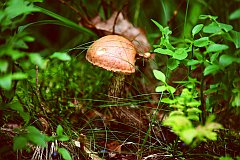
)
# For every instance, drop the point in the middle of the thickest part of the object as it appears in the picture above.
(180, 54)
(19, 76)
(212, 28)
(6, 82)
(217, 47)
(161, 88)
(3, 65)
(196, 29)
(157, 24)
(201, 42)
(63, 56)
(63, 138)
(159, 75)
(38, 60)
(211, 69)
(188, 135)
(171, 89)
(164, 51)
(193, 62)
(226, 59)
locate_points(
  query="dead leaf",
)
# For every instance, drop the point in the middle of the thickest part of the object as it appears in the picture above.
(124, 28)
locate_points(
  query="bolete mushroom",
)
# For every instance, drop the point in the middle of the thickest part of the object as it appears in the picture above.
(114, 53)
(117, 54)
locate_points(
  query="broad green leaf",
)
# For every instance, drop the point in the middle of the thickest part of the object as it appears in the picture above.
(3, 65)
(180, 54)
(176, 113)
(63, 56)
(194, 103)
(235, 14)
(6, 82)
(188, 135)
(211, 69)
(193, 62)
(19, 7)
(159, 75)
(171, 89)
(19, 76)
(236, 100)
(33, 130)
(63, 138)
(15, 54)
(196, 29)
(235, 38)
(217, 48)
(194, 110)
(225, 158)
(178, 123)
(168, 100)
(172, 63)
(16, 106)
(226, 59)
(65, 154)
(211, 28)
(201, 42)
(38, 60)
(37, 139)
(163, 51)
(214, 57)
(225, 27)
(59, 130)
(161, 88)
(158, 25)
(19, 142)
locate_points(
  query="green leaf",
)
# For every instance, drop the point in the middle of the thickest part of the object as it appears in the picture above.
(161, 88)
(164, 51)
(211, 69)
(226, 59)
(235, 14)
(168, 100)
(6, 82)
(19, 7)
(159, 75)
(178, 123)
(3, 65)
(235, 38)
(37, 139)
(188, 135)
(171, 89)
(33, 130)
(196, 29)
(158, 25)
(38, 60)
(172, 63)
(208, 17)
(59, 130)
(65, 154)
(19, 76)
(25, 116)
(16, 106)
(201, 42)
(225, 27)
(63, 138)
(212, 28)
(63, 56)
(180, 54)
(66, 21)
(19, 142)
(193, 62)
(226, 158)
(217, 48)
(176, 113)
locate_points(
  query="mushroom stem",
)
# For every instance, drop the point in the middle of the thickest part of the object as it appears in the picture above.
(116, 88)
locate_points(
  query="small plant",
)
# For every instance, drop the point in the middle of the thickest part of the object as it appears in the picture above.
(206, 51)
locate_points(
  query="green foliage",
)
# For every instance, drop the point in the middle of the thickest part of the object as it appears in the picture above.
(215, 59)
(27, 135)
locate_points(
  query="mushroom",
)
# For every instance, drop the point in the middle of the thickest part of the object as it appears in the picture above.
(114, 53)
(117, 54)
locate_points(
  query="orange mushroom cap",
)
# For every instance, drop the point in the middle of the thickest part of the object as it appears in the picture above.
(114, 53)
